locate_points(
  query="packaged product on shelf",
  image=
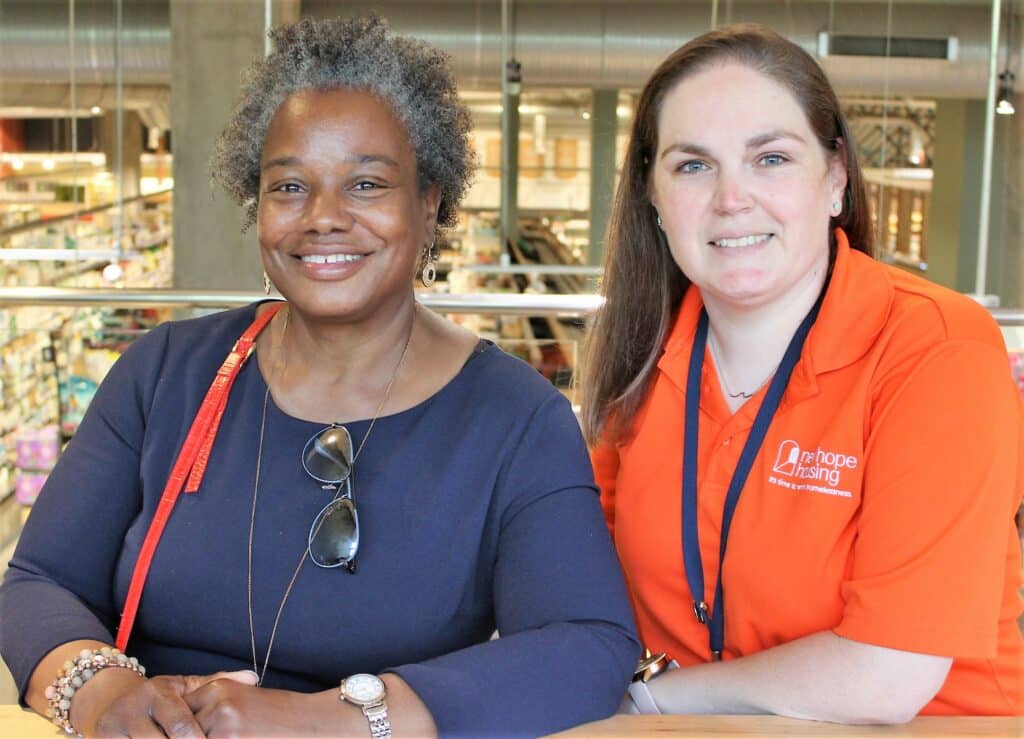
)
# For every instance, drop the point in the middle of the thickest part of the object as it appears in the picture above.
(37, 449)
(76, 393)
(1017, 367)
(27, 486)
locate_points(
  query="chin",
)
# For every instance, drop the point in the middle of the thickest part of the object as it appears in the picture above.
(330, 307)
(748, 292)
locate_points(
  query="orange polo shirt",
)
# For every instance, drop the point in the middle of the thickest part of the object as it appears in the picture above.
(880, 506)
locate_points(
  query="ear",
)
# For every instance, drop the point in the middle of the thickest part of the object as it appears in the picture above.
(837, 177)
(431, 203)
(652, 197)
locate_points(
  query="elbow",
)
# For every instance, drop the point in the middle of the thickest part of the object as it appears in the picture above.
(884, 711)
(893, 703)
(890, 713)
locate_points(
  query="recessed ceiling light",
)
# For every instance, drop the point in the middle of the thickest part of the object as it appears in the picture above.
(48, 164)
(17, 165)
(96, 110)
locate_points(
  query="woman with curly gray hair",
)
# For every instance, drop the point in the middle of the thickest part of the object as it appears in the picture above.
(366, 502)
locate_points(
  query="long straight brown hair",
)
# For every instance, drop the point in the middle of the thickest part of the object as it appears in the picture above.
(643, 286)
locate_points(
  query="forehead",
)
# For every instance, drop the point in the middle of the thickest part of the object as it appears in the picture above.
(337, 117)
(728, 100)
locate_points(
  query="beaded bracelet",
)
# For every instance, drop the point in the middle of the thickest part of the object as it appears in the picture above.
(76, 673)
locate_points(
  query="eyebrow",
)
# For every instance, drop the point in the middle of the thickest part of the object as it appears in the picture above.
(752, 143)
(359, 159)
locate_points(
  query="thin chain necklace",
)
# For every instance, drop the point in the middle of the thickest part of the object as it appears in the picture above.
(725, 380)
(255, 494)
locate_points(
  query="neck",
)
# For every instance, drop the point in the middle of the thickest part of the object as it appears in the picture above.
(749, 342)
(338, 369)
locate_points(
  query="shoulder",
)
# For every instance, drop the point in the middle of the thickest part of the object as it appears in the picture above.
(918, 315)
(194, 341)
(176, 351)
(938, 337)
(923, 306)
(495, 379)
(213, 330)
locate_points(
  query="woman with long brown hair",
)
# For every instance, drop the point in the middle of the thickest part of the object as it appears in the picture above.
(809, 461)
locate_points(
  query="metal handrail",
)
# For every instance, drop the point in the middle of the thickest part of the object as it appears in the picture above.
(531, 269)
(1008, 316)
(525, 304)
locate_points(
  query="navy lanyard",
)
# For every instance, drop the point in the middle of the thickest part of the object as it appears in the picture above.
(691, 544)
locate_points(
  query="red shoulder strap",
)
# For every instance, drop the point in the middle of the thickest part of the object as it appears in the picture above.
(191, 463)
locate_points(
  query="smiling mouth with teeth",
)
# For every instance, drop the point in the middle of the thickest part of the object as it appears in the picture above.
(331, 258)
(742, 241)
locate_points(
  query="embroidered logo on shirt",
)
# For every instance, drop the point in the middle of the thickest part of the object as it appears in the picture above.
(817, 471)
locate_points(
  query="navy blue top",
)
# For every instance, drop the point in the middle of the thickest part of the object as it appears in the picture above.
(477, 511)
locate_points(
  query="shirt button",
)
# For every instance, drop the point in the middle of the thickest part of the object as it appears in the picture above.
(726, 442)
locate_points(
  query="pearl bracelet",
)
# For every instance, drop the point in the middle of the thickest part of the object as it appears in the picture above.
(74, 675)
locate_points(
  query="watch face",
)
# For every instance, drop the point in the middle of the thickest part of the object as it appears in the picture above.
(363, 688)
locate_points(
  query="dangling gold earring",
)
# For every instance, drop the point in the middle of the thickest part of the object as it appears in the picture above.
(429, 273)
(266, 283)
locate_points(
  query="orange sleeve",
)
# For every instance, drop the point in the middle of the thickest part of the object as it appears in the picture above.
(940, 488)
(605, 460)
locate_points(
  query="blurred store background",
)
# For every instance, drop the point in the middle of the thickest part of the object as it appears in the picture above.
(109, 108)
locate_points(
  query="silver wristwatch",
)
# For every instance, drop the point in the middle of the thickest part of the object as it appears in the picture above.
(368, 692)
(648, 669)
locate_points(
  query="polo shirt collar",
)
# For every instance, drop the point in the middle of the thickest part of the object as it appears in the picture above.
(856, 308)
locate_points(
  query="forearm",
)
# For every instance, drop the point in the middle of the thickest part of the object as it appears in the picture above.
(528, 683)
(822, 677)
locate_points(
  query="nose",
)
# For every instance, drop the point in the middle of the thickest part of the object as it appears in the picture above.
(732, 192)
(327, 211)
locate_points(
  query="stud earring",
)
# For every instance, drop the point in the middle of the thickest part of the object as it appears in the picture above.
(657, 219)
(266, 283)
(837, 208)
(429, 273)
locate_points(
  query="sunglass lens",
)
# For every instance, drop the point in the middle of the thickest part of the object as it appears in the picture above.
(327, 455)
(334, 536)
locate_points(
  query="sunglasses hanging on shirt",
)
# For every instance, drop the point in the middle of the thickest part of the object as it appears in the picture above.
(334, 534)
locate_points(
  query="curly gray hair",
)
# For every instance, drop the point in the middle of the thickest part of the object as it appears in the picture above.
(362, 53)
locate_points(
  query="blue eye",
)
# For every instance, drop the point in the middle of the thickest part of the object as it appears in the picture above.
(692, 166)
(773, 160)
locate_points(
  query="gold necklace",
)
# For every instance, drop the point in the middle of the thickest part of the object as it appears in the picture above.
(260, 674)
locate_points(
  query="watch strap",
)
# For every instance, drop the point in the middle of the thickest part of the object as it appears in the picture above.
(380, 724)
